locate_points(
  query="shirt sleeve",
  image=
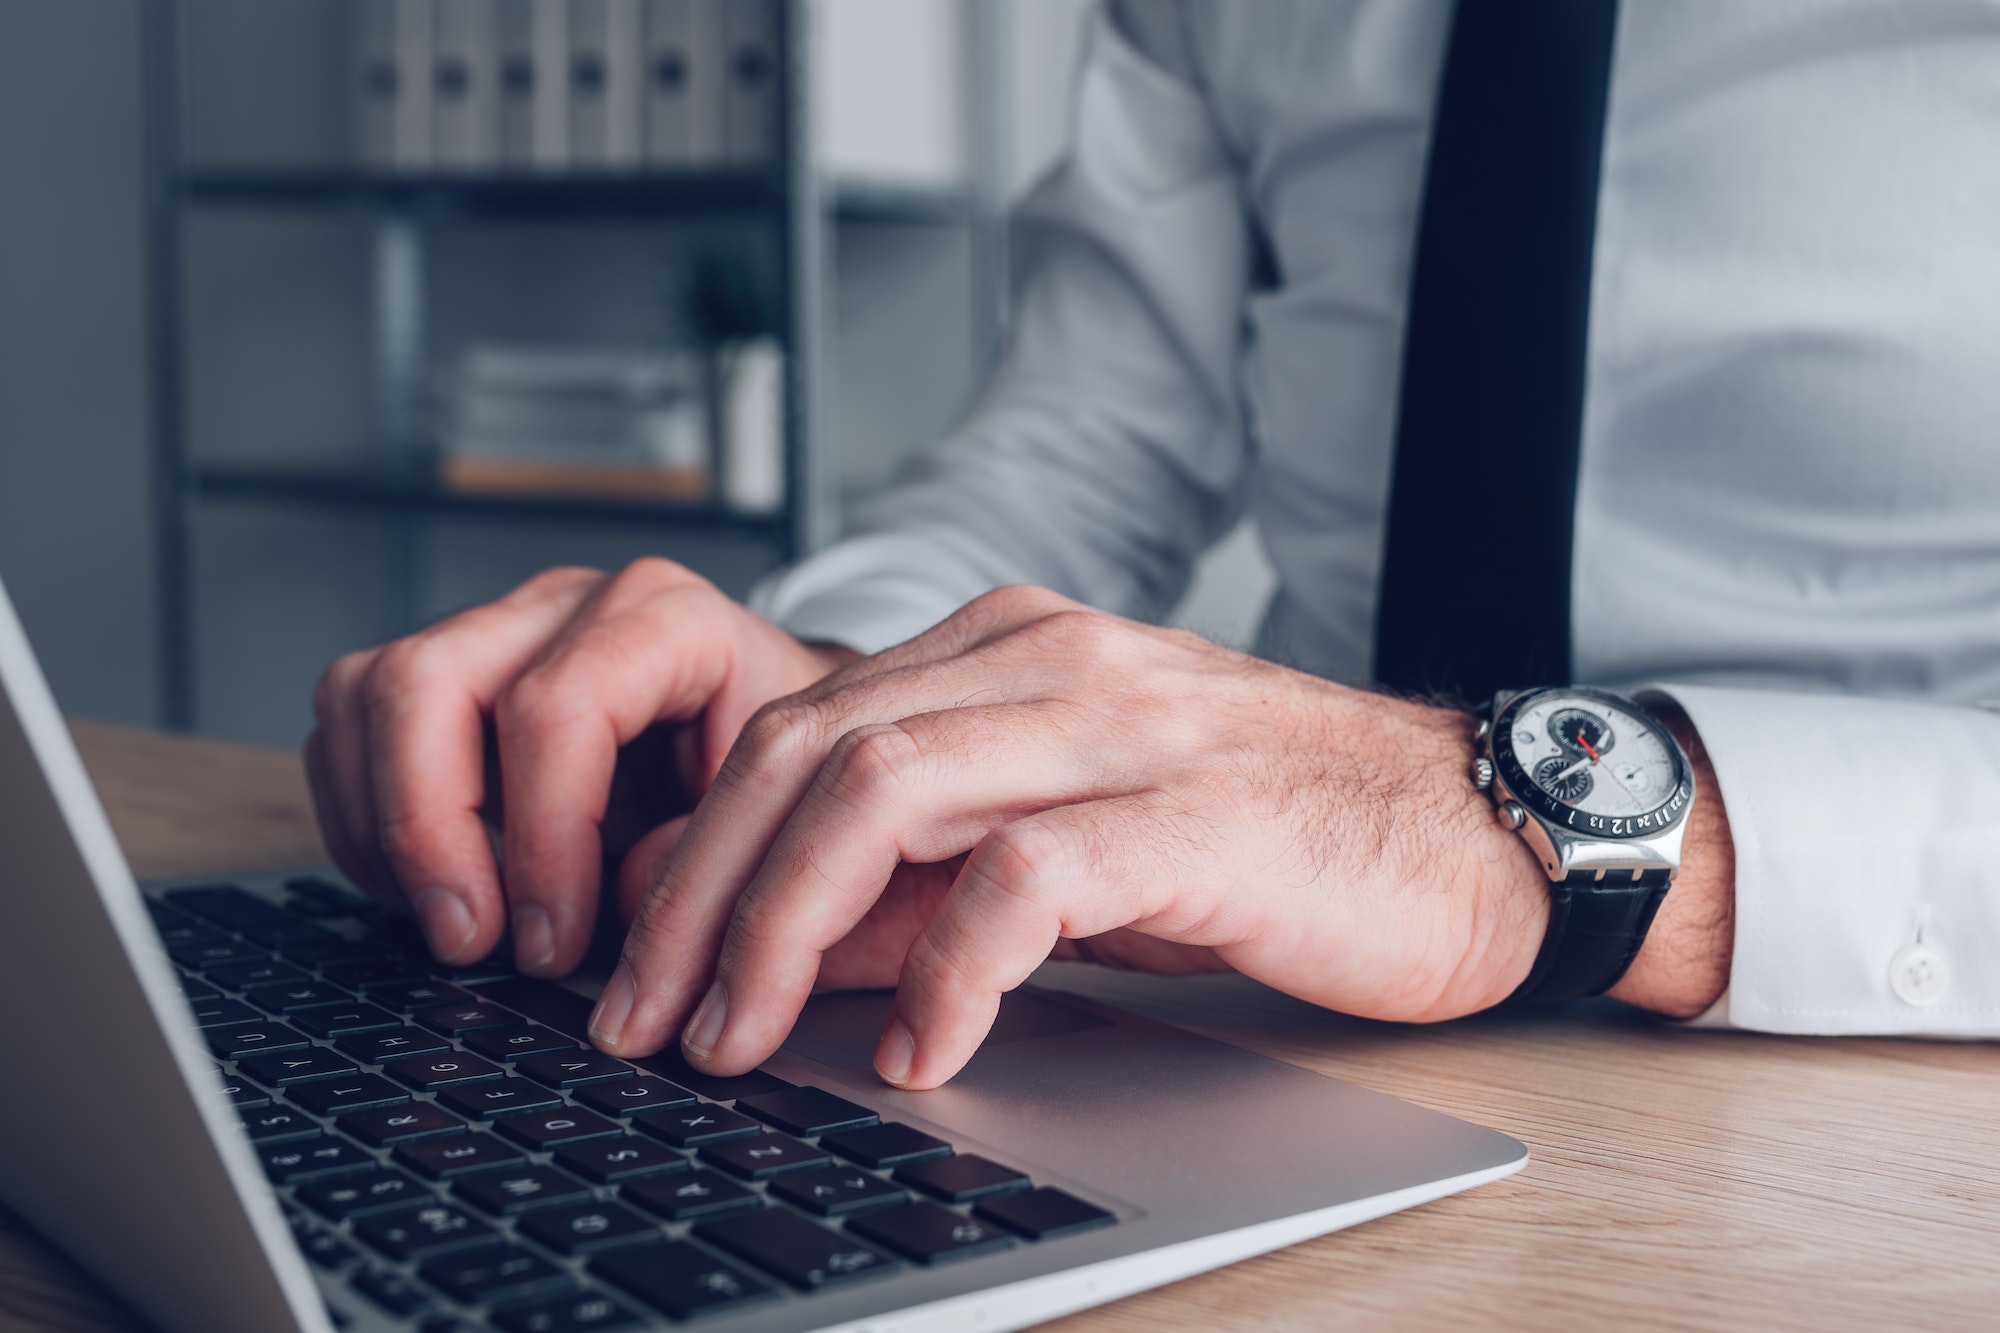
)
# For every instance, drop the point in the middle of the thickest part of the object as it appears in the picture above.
(1867, 861)
(1105, 451)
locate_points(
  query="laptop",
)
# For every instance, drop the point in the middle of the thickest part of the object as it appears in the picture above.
(256, 1105)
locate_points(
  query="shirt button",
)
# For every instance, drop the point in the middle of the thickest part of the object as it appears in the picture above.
(1918, 974)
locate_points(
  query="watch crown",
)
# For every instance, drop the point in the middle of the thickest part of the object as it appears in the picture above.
(1485, 729)
(1482, 773)
(1511, 814)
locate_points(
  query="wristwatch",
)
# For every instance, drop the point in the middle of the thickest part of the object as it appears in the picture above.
(1601, 791)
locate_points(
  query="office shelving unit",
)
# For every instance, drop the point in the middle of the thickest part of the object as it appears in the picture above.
(788, 197)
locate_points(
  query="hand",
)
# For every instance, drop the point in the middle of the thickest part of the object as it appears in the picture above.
(1030, 775)
(585, 707)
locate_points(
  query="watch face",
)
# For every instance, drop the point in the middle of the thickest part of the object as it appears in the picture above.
(1592, 761)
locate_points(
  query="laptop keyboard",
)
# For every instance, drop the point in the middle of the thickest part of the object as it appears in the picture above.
(446, 1144)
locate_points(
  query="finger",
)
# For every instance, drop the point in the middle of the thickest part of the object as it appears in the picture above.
(425, 700)
(919, 790)
(652, 645)
(1068, 873)
(645, 863)
(337, 771)
(677, 934)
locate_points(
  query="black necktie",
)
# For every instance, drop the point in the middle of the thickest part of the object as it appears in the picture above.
(1476, 562)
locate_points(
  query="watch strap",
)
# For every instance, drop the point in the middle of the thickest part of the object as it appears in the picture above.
(1596, 927)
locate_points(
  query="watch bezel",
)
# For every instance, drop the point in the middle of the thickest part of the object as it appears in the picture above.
(1522, 787)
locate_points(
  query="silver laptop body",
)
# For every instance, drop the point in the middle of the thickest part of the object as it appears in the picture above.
(115, 1142)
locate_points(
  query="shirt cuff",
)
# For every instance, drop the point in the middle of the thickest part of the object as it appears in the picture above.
(868, 593)
(1867, 838)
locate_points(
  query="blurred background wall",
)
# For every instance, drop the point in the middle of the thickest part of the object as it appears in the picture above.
(924, 118)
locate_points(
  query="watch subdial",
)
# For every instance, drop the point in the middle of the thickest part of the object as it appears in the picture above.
(1634, 777)
(1580, 733)
(1559, 777)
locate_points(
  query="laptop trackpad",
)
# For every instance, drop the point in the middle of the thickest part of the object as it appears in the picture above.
(840, 1029)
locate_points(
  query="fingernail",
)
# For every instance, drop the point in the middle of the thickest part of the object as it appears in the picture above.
(893, 1056)
(447, 925)
(704, 1030)
(534, 937)
(607, 1021)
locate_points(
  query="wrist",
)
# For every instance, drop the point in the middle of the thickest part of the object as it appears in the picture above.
(1683, 967)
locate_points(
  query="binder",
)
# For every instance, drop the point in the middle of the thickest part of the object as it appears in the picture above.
(750, 81)
(466, 85)
(534, 84)
(683, 78)
(516, 22)
(605, 45)
(393, 78)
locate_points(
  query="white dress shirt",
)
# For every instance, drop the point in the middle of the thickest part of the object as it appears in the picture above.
(1789, 504)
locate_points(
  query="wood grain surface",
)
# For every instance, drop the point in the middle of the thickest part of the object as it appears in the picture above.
(1680, 1179)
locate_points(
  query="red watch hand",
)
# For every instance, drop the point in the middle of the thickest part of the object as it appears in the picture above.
(1595, 757)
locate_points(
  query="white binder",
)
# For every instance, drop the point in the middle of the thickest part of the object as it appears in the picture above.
(393, 82)
(534, 84)
(750, 81)
(466, 85)
(683, 82)
(605, 48)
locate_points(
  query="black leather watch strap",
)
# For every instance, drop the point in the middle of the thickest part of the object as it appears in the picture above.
(1595, 929)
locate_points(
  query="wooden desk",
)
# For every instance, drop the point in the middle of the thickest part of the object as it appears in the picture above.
(1680, 1179)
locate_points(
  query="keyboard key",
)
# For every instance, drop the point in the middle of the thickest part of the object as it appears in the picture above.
(196, 989)
(226, 905)
(764, 1156)
(498, 1097)
(426, 1072)
(281, 1068)
(577, 1227)
(540, 1130)
(389, 1124)
(492, 1273)
(836, 1190)
(455, 1154)
(298, 995)
(295, 1159)
(962, 1178)
(393, 1292)
(421, 1228)
(678, 1278)
(930, 1232)
(890, 1144)
(331, 1020)
(365, 973)
(1040, 1214)
(248, 1038)
(345, 1196)
(187, 931)
(682, 1198)
(268, 1124)
(289, 931)
(407, 995)
(259, 972)
(376, 1045)
(692, 1125)
(454, 1020)
(578, 1312)
(218, 1010)
(573, 1069)
(504, 1193)
(330, 948)
(569, 1013)
(806, 1111)
(804, 1254)
(242, 1093)
(511, 1042)
(630, 1095)
(333, 1096)
(606, 1160)
(326, 1249)
(202, 957)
